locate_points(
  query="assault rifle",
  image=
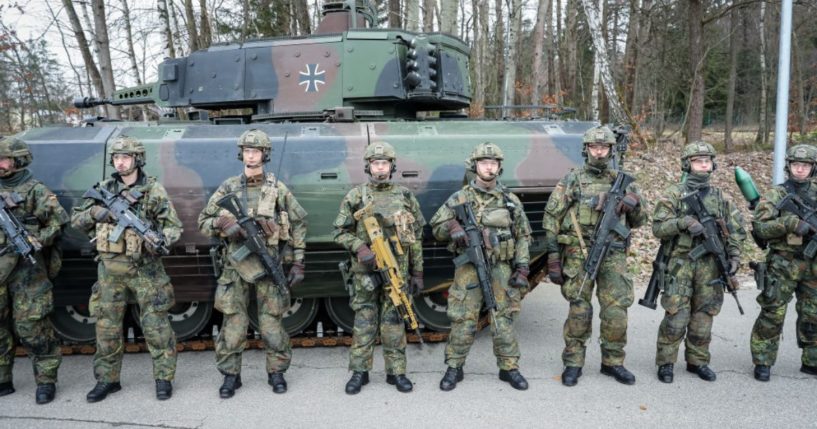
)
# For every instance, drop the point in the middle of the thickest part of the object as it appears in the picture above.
(255, 241)
(475, 253)
(609, 229)
(20, 240)
(714, 242)
(795, 205)
(659, 273)
(120, 208)
(388, 272)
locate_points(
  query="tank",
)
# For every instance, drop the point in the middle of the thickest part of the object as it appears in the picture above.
(322, 99)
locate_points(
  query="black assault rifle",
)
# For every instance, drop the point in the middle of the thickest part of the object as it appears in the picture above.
(659, 273)
(714, 242)
(475, 253)
(20, 240)
(609, 229)
(121, 209)
(255, 241)
(795, 205)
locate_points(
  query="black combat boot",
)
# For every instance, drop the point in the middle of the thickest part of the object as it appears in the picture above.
(619, 373)
(276, 380)
(45, 393)
(358, 380)
(232, 382)
(6, 388)
(164, 389)
(763, 372)
(451, 378)
(665, 373)
(101, 391)
(514, 378)
(808, 369)
(571, 374)
(400, 381)
(704, 372)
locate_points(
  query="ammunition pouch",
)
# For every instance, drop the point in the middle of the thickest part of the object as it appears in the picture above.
(345, 268)
(498, 218)
(130, 243)
(246, 264)
(759, 269)
(217, 259)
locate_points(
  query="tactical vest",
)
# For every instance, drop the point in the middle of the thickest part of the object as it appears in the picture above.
(52, 256)
(495, 213)
(714, 204)
(392, 211)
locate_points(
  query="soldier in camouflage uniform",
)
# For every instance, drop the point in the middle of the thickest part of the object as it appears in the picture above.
(130, 266)
(690, 296)
(398, 214)
(500, 214)
(570, 219)
(788, 271)
(25, 289)
(283, 222)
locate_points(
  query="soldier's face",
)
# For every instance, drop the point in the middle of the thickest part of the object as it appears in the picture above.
(123, 162)
(598, 150)
(380, 168)
(252, 156)
(700, 164)
(487, 168)
(800, 170)
(6, 165)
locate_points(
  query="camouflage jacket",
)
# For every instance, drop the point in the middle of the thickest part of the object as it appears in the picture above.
(266, 200)
(577, 195)
(154, 207)
(39, 211)
(499, 211)
(769, 222)
(397, 211)
(669, 211)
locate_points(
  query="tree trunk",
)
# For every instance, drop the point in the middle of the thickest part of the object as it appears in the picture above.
(594, 94)
(798, 89)
(82, 45)
(594, 25)
(695, 115)
(302, 17)
(571, 49)
(558, 55)
(499, 50)
(68, 53)
(205, 35)
(509, 87)
(762, 130)
(394, 14)
(448, 16)
(167, 33)
(478, 93)
(733, 72)
(631, 55)
(129, 42)
(192, 32)
(428, 15)
(540, 70)
(412, 14)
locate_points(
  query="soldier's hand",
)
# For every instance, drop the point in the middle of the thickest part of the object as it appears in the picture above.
(102, 214)
(519, 278)
(296, 274)
(734, 265)
(228, 226)
(555, 269)
(366, 257)
(457, 233)
(35, 243)
(796, 226)
(691, 225)
(628, 203)
(416, 284)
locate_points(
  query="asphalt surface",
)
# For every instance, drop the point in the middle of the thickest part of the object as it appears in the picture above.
(317, 378)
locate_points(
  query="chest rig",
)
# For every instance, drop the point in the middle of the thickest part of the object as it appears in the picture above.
(389, 207)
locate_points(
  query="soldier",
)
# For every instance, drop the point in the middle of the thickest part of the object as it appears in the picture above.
(283, 223)
(130, 265)
(692, 296)
(398, 213)
(500, 214)
(569, 222)
(789, 272)
(25, 289)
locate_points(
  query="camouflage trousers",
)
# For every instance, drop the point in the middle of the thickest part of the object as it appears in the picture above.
(373, 310)
(690, 302)
(233, 300)
(464, 304)
(615, 295)
(25, 303)
(785, 278)
(154, 295)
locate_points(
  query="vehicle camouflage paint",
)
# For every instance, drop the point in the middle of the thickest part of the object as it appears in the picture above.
(321, 99)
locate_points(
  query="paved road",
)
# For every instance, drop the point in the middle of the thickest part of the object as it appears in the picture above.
(317, 378)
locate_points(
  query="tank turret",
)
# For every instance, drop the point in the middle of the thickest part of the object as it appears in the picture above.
(355, 73)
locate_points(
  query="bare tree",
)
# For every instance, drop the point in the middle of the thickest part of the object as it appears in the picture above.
(763, 122)
(448, 16)
(428, 15)
(129, 42)
(205, 35)
(302, 16)
(733, 72)
(167, 33)
(411, 10)
(695, 108)
(82, 42)
(540, 63)
(192, 32)
(509, 84)
(394, 14)
(478, 93)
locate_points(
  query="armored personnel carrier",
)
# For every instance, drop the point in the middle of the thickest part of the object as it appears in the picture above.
(322, 99)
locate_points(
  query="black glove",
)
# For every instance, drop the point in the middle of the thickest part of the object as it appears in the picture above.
(102, 214)
(416, 284)
(457, 233)
(734, 265)
(797, 227)
(366, 257)
(691, 225)
(555, 269)
(519, 278)
(296, 274)
(628, 203)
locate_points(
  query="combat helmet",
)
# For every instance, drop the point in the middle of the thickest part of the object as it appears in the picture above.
(380, 150)
(257, 139)
(16, 149)
(697, 148)
(485, 150)
(598, 135)
(129, 146)
(801, 153)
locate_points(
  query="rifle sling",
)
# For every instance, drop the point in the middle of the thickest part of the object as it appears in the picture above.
(578, 231)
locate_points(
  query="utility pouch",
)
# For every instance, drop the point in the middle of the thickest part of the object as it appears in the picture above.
(759, 269)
